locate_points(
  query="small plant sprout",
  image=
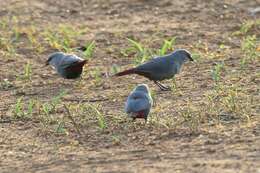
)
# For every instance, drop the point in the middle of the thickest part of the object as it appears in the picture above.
(153, 95)
(7, 45)
(196, 56)
(249, 47)
(50, 107)
(230, 100)
(174, 84)
(137, 46)
(156, 120)
(90, 47)
(70, 117)
(114, 69)
(235, 102)
(61, 127)
(57, 99)
(46, 117)
(116, 139)
(96, 74)
(101, 119)
(3, 24)
(16, 34)
(167, 46)
(27, 71)
(46, 107)
(34, 40)
(142, 53)
(191, 117)
(62, 38)
(92, 110)
(30, 108)
(246, 27)
(5, 84)
(18, 108)
(216, 72)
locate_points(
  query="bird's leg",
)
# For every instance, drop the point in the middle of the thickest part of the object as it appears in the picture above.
(162, 87)
(145, 120)
(159, 85)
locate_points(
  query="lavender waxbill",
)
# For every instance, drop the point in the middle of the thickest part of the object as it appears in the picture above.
(139, 102)
(68, 66)
(161, 68)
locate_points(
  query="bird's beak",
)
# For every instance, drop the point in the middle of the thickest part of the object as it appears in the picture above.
(190, 58)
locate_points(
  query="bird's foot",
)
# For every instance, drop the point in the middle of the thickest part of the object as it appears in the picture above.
(166, 88)
(162, 87)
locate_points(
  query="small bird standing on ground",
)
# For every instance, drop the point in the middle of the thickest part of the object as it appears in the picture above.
(139, 102)
(67, 65)
(160, 68)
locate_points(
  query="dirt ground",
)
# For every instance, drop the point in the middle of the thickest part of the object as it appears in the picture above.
(164, 144)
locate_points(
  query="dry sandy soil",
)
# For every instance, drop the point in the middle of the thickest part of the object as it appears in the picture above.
(185, 132)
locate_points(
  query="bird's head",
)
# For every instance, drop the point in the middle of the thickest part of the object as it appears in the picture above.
(142, 87)
(54, 57)
(183, 54)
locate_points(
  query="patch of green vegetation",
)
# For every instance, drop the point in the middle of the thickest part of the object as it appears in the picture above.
(143, 53)
(18, 108)
(7, 37)
(27, 74)
(196, 56)
(21, 111)
(6, 45)
(167, 46)
(61, 129)
(114, 69)
(173, 85)
(246, 27)
(51, 106)
(34, 38)
(216, 73)
(249, 48)
(5, 84)
(191, 117)
(62, 37)
(249, 41)
(90, 47)
(97, 76)
(93, 111)
(116, 139)
(227, 104)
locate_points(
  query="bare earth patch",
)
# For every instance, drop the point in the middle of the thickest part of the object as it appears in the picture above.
(209, 123)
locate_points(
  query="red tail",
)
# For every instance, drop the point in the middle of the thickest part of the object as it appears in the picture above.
(126, 72)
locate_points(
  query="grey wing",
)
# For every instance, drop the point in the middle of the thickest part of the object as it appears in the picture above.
(152, 64)
(69, 60)
(157, 67)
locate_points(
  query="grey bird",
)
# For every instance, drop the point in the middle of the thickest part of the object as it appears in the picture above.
(160, 68)
(139, 102)
(68, 66)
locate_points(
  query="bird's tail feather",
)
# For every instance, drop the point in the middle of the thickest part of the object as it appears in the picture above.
(81, 63)
(126, 72)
